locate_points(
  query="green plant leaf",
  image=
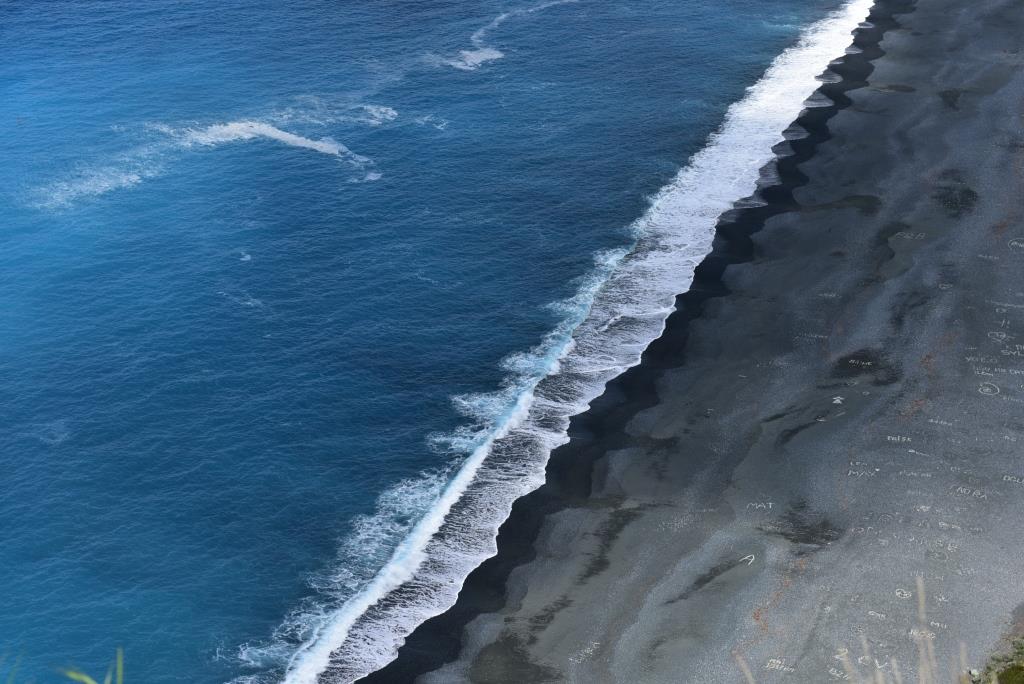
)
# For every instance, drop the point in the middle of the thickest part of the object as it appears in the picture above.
(14, 670)
(78, 676)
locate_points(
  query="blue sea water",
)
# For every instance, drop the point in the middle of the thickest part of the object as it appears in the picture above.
(270, 273)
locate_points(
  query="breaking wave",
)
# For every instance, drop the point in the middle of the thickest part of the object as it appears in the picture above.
(449, 524)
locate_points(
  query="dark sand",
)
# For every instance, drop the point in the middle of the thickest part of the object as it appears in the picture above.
(836, 408)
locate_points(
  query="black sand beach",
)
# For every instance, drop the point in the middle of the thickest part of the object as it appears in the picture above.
(835, 409)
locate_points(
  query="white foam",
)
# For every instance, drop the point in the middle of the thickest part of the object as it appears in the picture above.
(368, 177)
(470, 60)
(397, 511)
(378, 114)
(616, 313)
(147, 161)
(319, 111)
(127, 170)
(430, 120)
(218, 134)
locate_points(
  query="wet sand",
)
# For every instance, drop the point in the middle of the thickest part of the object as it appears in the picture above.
(836, 409)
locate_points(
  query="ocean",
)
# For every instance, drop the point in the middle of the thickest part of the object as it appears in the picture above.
(296, 298)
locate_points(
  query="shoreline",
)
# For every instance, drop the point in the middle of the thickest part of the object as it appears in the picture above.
(831, 415)
(571, 467)
(620, 313)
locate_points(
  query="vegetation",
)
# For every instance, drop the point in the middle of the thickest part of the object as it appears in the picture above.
(14, 669)
(1007, 668)
(115, 673)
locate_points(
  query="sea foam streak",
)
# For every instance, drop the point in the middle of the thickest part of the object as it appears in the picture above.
(140, 163)
(131, 170)
(470, 60)
(247, 130)
(617, 312)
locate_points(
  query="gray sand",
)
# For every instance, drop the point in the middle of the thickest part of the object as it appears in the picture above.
(849, 418)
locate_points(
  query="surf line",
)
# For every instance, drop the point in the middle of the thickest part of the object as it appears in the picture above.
(615, 321)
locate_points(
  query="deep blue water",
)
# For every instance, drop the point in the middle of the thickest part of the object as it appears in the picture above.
(251, 253)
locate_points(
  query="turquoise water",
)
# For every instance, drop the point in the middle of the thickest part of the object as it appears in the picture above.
(271, 272)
